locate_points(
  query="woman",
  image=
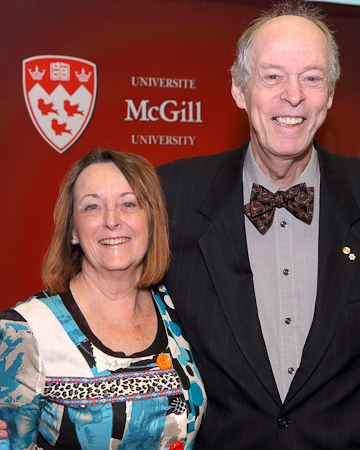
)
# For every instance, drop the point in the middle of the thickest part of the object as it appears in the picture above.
(98, 360)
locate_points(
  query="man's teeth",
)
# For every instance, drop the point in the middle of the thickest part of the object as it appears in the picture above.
(114, 241)
(288, 121)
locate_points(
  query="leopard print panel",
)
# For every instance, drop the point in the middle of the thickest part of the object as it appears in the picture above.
(118, 387)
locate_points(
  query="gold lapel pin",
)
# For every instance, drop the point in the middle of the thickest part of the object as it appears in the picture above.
(347, 251)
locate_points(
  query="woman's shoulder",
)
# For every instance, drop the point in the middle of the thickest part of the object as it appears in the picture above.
(39, 308)
(167, 310)
(163, 301)
(162, 298)
(16, 336)
(13, 313)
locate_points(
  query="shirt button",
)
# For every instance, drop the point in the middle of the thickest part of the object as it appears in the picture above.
(164, 361)
(283, 224)
(177, 446)
(291, 370)
(288, 321)
(286, 272)
(283, 422)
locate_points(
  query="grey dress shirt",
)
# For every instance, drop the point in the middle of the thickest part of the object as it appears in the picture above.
(284, 263)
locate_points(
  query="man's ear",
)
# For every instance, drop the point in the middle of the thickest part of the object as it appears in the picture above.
(330, 100)
(238, 95)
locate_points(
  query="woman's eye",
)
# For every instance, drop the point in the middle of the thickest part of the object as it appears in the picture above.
(91, 207)
(129, 207)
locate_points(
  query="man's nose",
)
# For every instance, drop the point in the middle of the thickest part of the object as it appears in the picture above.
(293, 92)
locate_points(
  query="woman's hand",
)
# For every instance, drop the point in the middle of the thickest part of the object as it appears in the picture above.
(3, 433)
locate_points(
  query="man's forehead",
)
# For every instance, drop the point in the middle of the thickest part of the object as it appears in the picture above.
(287, 38)
(290, 27)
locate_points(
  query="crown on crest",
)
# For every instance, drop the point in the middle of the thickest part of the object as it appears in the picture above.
(83, 77)
(37, 74)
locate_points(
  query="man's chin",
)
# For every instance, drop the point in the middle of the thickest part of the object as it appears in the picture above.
(295, 149)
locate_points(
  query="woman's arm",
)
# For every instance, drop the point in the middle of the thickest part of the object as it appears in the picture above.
(22, 381)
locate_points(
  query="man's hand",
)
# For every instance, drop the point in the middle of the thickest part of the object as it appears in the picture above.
(3, 433)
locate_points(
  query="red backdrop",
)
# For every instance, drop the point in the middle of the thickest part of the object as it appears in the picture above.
(176, 39)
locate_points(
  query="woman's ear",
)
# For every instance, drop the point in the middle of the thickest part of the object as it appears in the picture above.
(74, 238)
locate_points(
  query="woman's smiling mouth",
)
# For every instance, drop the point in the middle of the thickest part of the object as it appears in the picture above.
(114, 241)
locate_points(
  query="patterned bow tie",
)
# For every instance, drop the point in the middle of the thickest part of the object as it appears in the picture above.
(299, 200)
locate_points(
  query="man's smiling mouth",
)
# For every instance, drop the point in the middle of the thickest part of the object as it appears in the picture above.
(288, 121)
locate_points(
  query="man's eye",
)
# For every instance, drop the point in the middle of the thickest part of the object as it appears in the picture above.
(273, 77)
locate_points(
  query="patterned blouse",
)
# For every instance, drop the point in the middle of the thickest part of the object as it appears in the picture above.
(61, 388)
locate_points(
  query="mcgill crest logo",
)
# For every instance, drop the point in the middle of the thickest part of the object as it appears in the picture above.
(60, 93)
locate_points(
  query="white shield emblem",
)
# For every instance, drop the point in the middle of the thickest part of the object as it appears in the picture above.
(60, 93)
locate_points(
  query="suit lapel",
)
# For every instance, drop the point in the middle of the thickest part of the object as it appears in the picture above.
(339, 227)
(224, 249)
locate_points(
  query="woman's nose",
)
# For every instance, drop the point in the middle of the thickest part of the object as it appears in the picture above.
(112, 218)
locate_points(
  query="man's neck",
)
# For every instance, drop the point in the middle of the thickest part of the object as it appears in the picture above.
(283, 171)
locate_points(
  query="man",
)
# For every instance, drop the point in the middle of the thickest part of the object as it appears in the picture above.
(270, 297)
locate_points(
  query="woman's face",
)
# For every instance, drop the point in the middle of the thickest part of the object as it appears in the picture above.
(109, 224)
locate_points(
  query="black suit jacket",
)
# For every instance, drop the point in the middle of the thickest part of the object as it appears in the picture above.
(211, 283)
